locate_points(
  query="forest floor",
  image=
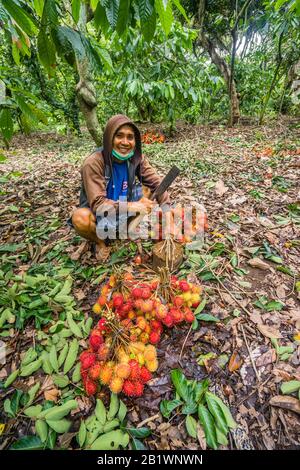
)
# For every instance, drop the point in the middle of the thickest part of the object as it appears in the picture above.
(248, 180)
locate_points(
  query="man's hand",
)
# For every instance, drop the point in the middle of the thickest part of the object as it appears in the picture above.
(142, 206)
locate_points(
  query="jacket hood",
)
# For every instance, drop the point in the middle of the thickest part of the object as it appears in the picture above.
(112, 125)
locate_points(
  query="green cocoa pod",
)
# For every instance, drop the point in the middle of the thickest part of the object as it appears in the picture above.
(11, 378)
(63, 354)
(73, 326)
(41, 429)
(71, 356)
(31, 368)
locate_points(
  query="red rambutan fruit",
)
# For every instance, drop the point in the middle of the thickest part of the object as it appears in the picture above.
(90, 387)
(137, 292)
(145, 375)
(88, 361)
(154, 337)
(94, 371)
(128, 388)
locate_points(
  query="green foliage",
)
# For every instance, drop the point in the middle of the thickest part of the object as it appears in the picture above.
(193, 398)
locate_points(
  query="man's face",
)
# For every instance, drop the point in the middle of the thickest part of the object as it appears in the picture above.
(124, 140)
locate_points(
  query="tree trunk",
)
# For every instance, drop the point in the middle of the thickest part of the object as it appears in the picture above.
(224, 69)
(85, 90)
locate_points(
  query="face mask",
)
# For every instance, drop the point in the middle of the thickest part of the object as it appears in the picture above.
(123, 158)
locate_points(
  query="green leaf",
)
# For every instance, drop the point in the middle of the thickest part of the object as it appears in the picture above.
(3, 159)
(207, 317)
(122, 411)
(191, 426)
(112, 12)
(81, 437)
(76, 10)
(27, 443)
(290, 387)
(46, 50)
(6, 124)
(24, 20)
(33, 411)
(180, 9)
(209, 427)
(145, 9)
(137, 445)
(167, 406)
(165, 14)
(140, 433)
(60, 426)
(200, 307)
(100, 18)
(123, 16)
(61, 381)
(274, 306)
(226, 412)
(111, 441)
(217, 413)
(148, 27)
(39, 6)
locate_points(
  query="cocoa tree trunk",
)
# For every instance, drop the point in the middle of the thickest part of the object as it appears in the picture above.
(85, 90)
(224, 69)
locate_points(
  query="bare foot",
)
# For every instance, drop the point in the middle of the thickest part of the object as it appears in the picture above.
(102, 253)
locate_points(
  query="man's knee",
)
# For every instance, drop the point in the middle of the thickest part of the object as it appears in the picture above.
(82, 219)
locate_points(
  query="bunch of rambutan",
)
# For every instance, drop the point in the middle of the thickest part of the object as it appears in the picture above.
(139, 318)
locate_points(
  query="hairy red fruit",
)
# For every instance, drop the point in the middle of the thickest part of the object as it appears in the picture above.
(94, 371)
(118, 300)
(95, 341)
(102, 352)
(90, 387)
(178, 301)
(184, 286)
(88, 360)
(146, 293)
(137, 292)
(101, 324)
(139, 389)
(102, 300)
(129, 388)
(156, 325)
(168, 320)
(145, 375)
(154, 337)
(134, 370)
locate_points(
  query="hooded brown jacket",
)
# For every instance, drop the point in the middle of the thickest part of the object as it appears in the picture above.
(94, 169)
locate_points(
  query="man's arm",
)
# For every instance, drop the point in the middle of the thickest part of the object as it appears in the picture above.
(151, 179)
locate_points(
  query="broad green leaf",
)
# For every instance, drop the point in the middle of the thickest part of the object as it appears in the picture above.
(27, 443)
(140, 433)
(148, 27)
(290, 387)
(145, 9)
(76, 10)
(123, 16)
(112, 12)
(274, 305)
(25, 21)
(209, 427)
(81, 437)
(207, 317)
(191, 426)
(46, 50)
(167, 406)
(200, 307)
(180, 9)
(217, 413)
(6, 124)
(39, 6)
(33, 411)
(60, 426)
(226, 412)
(111, 441)
(165, 14)
(137, 445)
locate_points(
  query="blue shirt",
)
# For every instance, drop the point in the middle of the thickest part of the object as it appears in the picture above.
(118, 184)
